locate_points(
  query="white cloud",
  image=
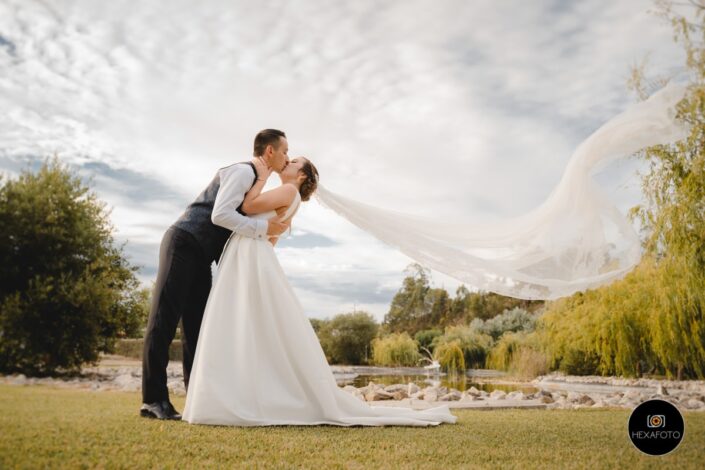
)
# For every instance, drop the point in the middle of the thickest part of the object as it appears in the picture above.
(453, 109)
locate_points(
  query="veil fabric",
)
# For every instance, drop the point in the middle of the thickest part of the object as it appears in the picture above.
(575, 240)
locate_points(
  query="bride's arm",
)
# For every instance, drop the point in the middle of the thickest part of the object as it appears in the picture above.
(274, 240)
(257, 202)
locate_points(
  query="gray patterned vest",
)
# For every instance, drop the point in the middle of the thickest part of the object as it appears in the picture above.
(196, 219)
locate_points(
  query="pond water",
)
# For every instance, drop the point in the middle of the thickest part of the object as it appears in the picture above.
(458, 382)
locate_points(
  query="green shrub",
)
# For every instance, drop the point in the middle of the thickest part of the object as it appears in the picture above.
(66, 290)
(346, 338)
(528, 363)
(425, 337)
(516, 319)
(579, 362)
(520, 354)
(395, 349)
(450, 356)
(475, 346)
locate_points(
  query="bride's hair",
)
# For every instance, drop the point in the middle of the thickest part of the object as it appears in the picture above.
(311, 182)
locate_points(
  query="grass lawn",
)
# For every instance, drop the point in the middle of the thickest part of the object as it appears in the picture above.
(49, 427)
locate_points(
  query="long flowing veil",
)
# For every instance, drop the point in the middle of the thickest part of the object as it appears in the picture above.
(575, 240)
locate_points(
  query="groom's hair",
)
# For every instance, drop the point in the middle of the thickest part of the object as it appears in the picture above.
(267, 137)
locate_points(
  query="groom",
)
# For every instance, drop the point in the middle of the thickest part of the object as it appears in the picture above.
(187, 250)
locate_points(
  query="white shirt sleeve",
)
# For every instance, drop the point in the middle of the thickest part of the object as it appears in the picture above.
(235, 181)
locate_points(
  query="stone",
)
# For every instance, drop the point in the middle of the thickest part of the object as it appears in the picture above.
(632, 395)
(546, 399)
(613, 401)
(430, 395)
(453, 395)
(412, 388)
(693, 404)
(396, 387)
(586, 400)
(375, 395)
(350, 388)
(661, 390)
(373, 386)
(498, 395)
(473, 391)
(515, 395)
(124, 381)
(18, 379)
(399, 395)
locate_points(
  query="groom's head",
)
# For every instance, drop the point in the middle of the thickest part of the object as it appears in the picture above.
(271, 145)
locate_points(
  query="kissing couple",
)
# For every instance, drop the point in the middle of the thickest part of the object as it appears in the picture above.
(250, 354)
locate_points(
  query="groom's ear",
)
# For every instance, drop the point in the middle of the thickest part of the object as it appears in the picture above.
(269, 150)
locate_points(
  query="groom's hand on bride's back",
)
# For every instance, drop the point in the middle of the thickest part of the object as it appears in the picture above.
(276, 227)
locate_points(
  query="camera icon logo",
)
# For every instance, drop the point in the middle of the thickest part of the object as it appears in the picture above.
(656, 421)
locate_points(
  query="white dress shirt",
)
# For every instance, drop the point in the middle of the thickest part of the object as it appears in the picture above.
(235, 181)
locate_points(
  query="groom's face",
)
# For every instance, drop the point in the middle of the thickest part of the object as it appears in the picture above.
(279, 156)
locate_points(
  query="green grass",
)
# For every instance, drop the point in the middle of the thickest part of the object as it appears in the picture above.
(49, 427)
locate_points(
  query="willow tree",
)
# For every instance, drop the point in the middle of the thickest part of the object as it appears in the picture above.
(673, 216)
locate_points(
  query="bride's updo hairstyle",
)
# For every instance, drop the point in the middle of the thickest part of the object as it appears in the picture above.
(310, 183)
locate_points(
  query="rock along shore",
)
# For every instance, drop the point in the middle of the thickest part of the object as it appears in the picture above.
(554, 391)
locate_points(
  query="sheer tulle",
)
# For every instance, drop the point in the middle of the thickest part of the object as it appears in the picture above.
(575, 240)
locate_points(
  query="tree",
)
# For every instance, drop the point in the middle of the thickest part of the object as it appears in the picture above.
(458, 307)
(425, 337)
(346, 338)
(485, 305)
(66, 289)
(395, 349)
(408, 307)
(438, 303)
(450, 356)
(474, 345)
(317, 324)
(673, 217)
(143, 299)
(516, 319)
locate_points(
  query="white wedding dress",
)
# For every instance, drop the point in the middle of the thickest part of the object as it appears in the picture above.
(259, 362)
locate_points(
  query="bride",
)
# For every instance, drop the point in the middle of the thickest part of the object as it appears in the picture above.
(258, 361)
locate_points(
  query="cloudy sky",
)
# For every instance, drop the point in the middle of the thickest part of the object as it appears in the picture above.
(449, 109)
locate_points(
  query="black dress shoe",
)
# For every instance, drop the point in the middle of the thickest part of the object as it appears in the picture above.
(159, 410)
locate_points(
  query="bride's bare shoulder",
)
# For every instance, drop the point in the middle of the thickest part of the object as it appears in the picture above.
(290, 189)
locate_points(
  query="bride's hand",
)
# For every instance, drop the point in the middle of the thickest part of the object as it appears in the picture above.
(276, 227)
(263, 170)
